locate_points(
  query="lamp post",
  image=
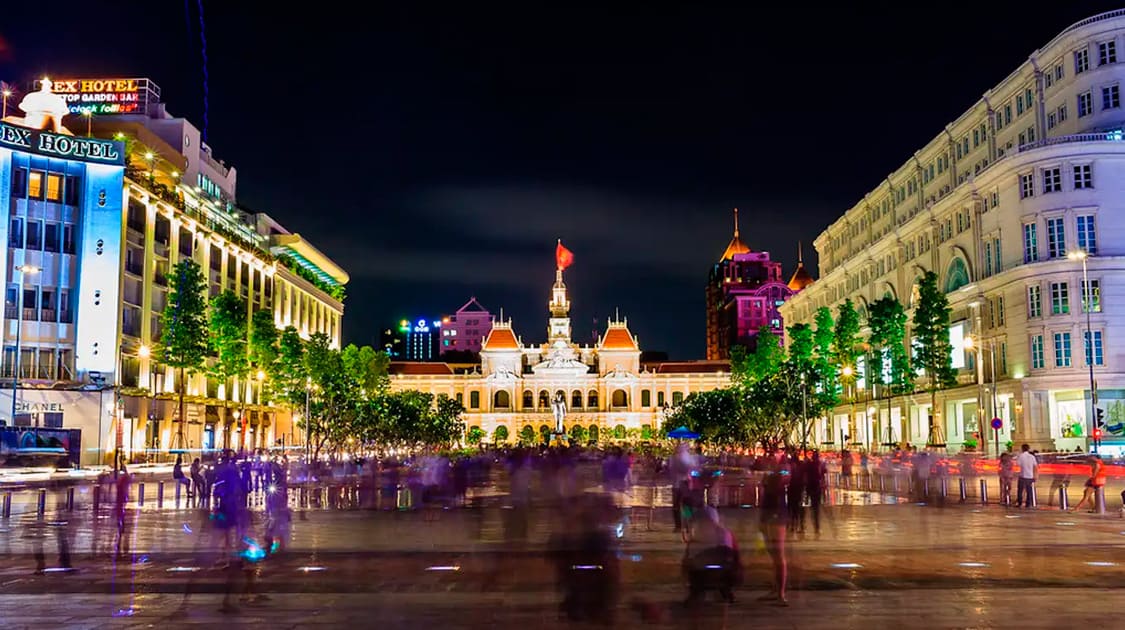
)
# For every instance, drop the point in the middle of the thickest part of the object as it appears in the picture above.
(970, 345)
(261, 375)
(1087, 295)
(24, 271)
(89, 116)
(847, 372)
(308, 422)
(6, 93)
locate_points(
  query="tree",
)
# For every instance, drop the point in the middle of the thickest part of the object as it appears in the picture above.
(713, 414)
(764, 361)
(332, 409)
(578, 434)
(828, 393)
(933, 354)
(228, 334)
(801, 363)
(887, 320)
(527, 435)
(500, 435)
(475, 435)
(183, 328)
(845, 336)
(264, 353)
(291, 379)
(368, 368)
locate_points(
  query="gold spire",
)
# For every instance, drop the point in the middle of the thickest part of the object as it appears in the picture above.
(801, 277)
(736, 245)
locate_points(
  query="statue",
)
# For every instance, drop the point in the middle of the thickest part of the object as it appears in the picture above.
(559, 408)
(45, 110)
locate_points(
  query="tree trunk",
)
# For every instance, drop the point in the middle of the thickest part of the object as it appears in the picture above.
(180, 419)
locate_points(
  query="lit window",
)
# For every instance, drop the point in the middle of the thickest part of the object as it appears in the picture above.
(1056, 238)
(1087, 237)
(1092, 296)
(35, 185)
(1099, 356)
(1034, 301)
(1037, 352)
(54, 187)
(1062, 349)
(1060, 298)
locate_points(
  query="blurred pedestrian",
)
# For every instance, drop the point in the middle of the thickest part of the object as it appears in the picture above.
(1006, 472)
(1029, 471)
(813, 476)
(682, 466)
(1093, 484)
(773, 526)
(711, 558)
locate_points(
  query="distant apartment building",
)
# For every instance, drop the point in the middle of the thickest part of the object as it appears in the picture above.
(466, 329)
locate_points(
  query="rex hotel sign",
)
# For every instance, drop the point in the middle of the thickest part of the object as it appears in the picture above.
(101, 96)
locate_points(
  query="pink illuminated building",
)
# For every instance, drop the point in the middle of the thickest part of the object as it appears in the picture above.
(466, 329)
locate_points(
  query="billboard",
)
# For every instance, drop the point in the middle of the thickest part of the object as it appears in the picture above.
(38, 442)
(106, 96)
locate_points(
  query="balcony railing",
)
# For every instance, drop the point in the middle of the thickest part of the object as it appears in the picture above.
(66, 317)
(134, 267)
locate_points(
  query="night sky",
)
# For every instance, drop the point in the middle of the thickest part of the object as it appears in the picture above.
(437, 153)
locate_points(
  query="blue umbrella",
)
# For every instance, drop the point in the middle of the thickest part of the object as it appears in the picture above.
(682, 433)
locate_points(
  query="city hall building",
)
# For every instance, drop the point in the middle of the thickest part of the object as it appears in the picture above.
(1002, 205)
(97, 211)
(604, 387)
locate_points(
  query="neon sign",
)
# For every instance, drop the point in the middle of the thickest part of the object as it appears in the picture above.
(67, 147)
(105, 96)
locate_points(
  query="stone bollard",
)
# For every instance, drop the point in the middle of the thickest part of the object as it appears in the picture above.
(1099, 499)
(1031, 496)
(1064, 502)
(160, 493)
(963, 489)
(883, 483)
(178, 490)
(895, 479)
(41, 505)
(944, 487)
(6, 509)
(70, 499)
(97, 497)
(925, 487)
(140, 494)
(983, 492)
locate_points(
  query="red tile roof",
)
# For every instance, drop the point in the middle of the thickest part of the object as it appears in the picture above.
(618, 339)
(501, 338)
(417, 368)
(690, 367)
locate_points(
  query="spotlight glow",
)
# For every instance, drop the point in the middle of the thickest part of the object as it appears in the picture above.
(846, 565)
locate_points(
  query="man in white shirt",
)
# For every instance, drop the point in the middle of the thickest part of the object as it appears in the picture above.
(1029, 471)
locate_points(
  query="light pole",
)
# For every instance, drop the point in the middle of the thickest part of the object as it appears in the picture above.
(24, 271)
(1087, 295)
(847, 372)
(970, 345)
(308, 422)
(6, 93)
(261, 381)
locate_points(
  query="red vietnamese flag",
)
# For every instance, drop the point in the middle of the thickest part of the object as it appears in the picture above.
(563, 256)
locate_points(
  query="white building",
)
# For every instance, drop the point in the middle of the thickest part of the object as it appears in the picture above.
(993, 204)
(605, 387)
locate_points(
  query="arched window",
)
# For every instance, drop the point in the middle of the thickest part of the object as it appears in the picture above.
(592, 399)
(646, 398)
(544, 399)
(528, 399)
(619, 398)
(619, 432)
(559, 395)
(659, 399)
(576, 399)
(593, 433)
(500, 435)
(501, 400)
(957, 275)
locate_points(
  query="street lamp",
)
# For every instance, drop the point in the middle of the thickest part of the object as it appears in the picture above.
(847, 372)
(1087, 295)
(6, 93)
(24, 270)
(89, 116)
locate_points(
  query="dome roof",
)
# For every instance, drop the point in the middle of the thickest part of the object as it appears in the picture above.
(736, 245)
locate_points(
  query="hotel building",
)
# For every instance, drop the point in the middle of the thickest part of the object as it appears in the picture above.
(1032, 172)
(93, 226)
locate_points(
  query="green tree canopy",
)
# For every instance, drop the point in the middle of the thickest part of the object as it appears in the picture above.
(264, 338)
(228, 332)
(887, 320)
(183, 328)
(933, 354)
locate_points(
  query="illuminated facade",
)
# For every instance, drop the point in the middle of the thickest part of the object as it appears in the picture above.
(101, 227)
(993, 205)
(604, 385)
(744, 291)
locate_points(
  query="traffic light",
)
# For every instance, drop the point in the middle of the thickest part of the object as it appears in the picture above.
(1099, 416)
(1097, 434)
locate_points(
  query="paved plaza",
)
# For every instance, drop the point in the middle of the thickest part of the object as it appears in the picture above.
(874, 562)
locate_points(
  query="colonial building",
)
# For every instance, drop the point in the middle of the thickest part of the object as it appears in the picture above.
(603, 386)
(744, 291)
(1003, 204)
(93, 225)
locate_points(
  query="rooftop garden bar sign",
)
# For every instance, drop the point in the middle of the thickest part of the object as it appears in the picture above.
(103, 96)
(61, 146)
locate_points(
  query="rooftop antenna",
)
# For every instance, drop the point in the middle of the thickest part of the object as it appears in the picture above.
(203, 54)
